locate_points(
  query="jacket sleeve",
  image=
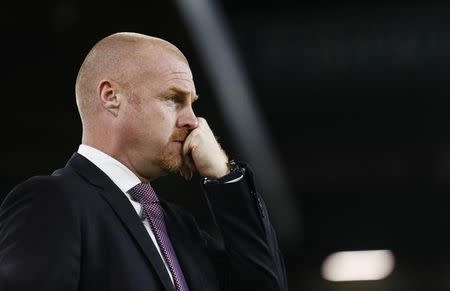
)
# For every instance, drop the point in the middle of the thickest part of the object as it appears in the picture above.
(253, 256)
(39, 239)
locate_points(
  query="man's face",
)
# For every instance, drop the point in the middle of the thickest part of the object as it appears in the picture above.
(159, 115)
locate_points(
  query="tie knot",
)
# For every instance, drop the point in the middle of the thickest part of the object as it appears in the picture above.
(144, 193)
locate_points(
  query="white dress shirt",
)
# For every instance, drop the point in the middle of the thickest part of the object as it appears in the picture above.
(125, 180)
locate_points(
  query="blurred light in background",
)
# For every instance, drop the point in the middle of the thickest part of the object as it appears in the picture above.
(210, 32)
(358, 265)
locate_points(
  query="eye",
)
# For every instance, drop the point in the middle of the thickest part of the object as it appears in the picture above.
(176, 98)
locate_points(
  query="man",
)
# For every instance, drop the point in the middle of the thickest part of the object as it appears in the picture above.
(97, 224)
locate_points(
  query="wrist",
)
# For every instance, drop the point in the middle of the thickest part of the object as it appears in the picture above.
(221, 170)
(235, 173)
(218, 169)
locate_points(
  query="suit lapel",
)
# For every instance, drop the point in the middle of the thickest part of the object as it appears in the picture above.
(121, 206)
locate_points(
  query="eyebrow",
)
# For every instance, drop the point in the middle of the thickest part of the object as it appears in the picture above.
(183, 92)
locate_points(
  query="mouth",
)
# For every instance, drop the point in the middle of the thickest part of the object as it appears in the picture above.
(179, 136)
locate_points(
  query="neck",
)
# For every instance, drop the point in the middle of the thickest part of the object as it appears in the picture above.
(115, 150)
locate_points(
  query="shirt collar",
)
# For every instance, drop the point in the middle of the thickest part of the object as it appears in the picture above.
(123, 177)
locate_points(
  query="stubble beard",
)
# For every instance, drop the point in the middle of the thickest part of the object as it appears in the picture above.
(170, 158)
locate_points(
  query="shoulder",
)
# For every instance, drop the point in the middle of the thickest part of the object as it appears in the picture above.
(44, 185)
(56, 189)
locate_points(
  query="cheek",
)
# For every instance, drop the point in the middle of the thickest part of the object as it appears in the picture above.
(159, 130)
(159, 121)
(165, 119)
(129, 127)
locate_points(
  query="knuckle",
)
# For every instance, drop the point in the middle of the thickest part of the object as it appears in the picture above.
(195, 133)
(202, 121)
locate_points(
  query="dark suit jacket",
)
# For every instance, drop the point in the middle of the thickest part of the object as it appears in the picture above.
(76, 230)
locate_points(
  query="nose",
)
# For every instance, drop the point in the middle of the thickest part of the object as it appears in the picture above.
(187, 119)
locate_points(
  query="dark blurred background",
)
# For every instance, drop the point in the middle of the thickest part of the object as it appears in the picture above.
(352, 96)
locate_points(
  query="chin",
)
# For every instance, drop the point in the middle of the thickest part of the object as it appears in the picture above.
(171, 165)
(170, 160)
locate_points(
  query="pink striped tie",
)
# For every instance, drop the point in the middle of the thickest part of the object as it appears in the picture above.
(144, 194)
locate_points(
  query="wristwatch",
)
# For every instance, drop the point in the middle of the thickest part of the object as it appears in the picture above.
(236, 172)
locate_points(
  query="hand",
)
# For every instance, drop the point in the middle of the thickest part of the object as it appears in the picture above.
(202, 153)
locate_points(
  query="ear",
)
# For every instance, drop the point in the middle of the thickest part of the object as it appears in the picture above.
(109, 97)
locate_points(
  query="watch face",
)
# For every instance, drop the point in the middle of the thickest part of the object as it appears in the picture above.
(233, 166)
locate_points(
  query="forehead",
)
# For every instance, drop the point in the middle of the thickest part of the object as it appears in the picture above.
(172, 71)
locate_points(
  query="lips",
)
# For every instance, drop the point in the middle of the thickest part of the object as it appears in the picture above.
(180, 135)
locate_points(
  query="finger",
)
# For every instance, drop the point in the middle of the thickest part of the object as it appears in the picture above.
(188, 167)
(202, 121)
(187, 144)
(204, 127)
(188, 163)
(186, 172)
